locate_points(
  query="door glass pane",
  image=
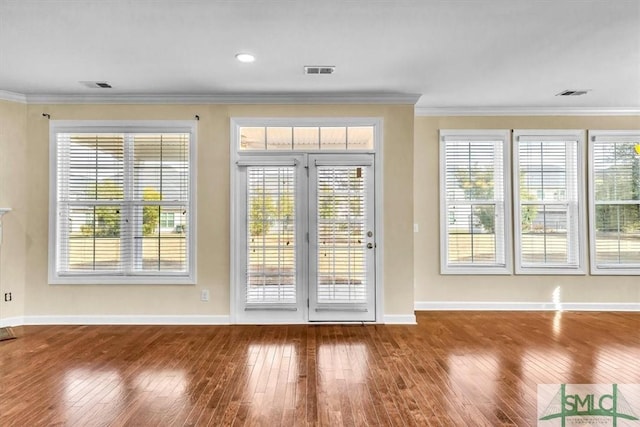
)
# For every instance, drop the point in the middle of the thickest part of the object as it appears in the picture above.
(341, 219)
(271, 245)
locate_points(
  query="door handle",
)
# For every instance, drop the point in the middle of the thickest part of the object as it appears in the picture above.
(369, 245)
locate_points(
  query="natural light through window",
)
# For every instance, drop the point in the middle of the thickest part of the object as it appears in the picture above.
(122, 204)
(306, 138)
(548, 202)
(614, 173)
(474, 197)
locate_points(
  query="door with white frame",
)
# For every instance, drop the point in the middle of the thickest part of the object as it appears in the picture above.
(341, 238)
(303, 236)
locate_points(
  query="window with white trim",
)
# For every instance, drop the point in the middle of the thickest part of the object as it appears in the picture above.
(548, 207)
(122, 208)
(614, 207)
(474, 198)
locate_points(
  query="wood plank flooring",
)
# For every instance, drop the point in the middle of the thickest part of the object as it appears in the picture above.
(453, 369)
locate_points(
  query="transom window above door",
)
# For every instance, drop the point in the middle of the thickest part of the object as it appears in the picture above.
(305, 137)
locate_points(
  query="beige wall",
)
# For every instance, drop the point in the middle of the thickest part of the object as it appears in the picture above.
(410, 160)
(212, 209)
(13, 162)
(430, 286)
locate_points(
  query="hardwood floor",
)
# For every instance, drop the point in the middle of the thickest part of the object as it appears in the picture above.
(453, 369)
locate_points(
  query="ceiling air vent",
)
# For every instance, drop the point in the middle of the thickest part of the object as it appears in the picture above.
(319, 69)
(96, 85)
(572, 92)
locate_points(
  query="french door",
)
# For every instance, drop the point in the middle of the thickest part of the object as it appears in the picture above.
(305, 245)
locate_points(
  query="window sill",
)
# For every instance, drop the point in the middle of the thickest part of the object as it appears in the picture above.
(600, 271)
(474, 270)
(122, 280)
(551, 271)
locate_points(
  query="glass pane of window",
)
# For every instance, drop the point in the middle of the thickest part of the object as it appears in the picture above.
(543, 170)
(253, 138)
(360, 138)
(271, 244)
(617, 234)
(306, 138)
(94, 238)
(161, 167)
(333, 138)
(159, 248)
(545, 238)
(472, 234)
(94, 167)
(471, 170)
(279, 138)
(616, 171)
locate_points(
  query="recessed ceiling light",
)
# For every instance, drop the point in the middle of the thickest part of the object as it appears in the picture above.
(245, 57)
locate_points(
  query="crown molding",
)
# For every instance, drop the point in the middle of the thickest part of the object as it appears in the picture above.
(291, 98)
(6, 95)
(525, 111)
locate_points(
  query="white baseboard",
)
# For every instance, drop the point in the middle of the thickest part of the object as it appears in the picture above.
(524, 306)
(390, 319)
(11, 321)
(399, 319)
(127, 320)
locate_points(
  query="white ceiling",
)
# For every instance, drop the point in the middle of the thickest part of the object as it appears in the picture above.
(476, 54)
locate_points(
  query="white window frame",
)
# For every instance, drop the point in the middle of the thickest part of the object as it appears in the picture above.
(236, 155)
(117, 126)
(480, 135)
(613, 135)
(579, 210)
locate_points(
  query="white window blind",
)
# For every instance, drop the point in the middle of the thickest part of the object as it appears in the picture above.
(115, 193)
(341, 219)
(614, 163)
(547, 204)
(474, 216)
(271, 236)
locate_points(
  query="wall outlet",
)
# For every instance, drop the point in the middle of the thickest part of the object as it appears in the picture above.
(204, 295)
(415, 228)
(7, 296)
